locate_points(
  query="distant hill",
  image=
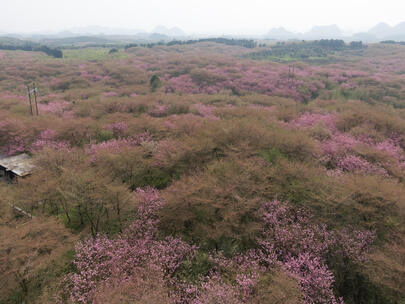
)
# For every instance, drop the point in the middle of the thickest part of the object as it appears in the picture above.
(381, 30)
(366, 37)
(280, 33)
(107, 35)
(384, 31)
(317, 32)
(100, 30)
(399, 31)
(171, 32)
(324, 32)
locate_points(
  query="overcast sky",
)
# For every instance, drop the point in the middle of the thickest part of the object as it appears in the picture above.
(202, 16)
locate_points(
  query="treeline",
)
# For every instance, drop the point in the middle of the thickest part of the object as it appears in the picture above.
(307, 49)
(32, 47)
(247, 43)
(393, 42)
(238, 42)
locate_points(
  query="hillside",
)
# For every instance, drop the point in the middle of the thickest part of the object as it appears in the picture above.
(205, 173)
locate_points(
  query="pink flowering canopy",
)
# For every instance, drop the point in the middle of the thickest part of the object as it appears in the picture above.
(289, 239)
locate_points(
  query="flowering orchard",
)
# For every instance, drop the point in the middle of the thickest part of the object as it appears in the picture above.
(202, 173)
(289, 241)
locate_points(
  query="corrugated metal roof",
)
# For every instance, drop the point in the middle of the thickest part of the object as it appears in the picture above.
(20, 165)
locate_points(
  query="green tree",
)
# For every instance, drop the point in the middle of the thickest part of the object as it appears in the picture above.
(155, 83)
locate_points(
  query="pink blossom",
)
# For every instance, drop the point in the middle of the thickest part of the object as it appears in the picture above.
(9, 95)
(205, 111)
(159, 111)
(99, 259)
(352, 163)
(91, 76)
(311, 119)
(289, 239)
(47, 139)
(55, 107)
(316, 280)
(16, 145)
(118, 128)
(110, 94)
(116, 145)
(392, 147)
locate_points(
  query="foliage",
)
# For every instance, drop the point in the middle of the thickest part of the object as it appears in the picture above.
(278, 183)
(16, 44)
(155, 83)
(288, 238)
(307, 49)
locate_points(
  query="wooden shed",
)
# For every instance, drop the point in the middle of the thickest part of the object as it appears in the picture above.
(14, 167)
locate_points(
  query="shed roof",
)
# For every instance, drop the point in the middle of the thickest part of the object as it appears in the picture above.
(20, 165)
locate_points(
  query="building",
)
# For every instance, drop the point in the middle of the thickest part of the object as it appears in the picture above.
(14, 167)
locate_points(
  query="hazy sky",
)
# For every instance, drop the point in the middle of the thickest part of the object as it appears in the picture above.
(202, 16)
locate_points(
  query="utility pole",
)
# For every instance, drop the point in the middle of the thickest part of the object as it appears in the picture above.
(291, 75)
(35, 97)
(29, 98)
(32, 97)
